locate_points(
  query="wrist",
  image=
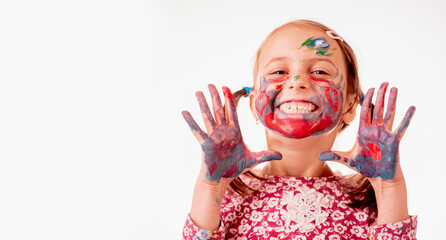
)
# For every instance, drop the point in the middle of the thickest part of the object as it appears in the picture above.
(206, 203)
(391, 200)
(215, 188)
(397, 183)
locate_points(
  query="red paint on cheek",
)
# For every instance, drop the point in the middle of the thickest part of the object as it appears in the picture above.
(278, 80)
(279, 86)
(318, 80)
(262, 95)
(375, 150)
(329, 90)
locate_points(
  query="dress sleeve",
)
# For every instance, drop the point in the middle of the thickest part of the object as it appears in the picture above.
(406, 229)
(192, 232)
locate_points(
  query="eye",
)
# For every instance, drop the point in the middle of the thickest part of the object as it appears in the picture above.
(278, 72)
(319, 72)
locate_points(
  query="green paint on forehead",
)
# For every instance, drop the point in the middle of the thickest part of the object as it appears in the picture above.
(320, 46)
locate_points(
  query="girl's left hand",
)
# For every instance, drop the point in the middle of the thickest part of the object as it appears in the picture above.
(375, 153)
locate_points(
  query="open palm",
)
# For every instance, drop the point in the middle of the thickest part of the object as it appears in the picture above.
(225, 153)
(375, 153)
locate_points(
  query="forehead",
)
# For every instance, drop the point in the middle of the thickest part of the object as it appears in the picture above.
(286, 43)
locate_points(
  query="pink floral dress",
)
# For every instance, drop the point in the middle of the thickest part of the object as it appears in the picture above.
(297, 208)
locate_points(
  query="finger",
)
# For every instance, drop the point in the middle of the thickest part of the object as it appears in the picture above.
(405, 123)
(390, 112)
(205, 112)
(231, 114)
(216, 105)
(379, 105)
(266, 156)
(334, 156)
(196, 130)
(365, 108)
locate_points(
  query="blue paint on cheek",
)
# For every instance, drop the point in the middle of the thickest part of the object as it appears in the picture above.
(341, 84)
(336, 75)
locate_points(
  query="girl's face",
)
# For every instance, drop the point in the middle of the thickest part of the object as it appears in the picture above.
(301, 83)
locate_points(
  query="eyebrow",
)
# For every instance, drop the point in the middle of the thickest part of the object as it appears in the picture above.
(323, 60)
(275, 59)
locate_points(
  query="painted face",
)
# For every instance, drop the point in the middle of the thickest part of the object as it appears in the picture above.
(301, 88)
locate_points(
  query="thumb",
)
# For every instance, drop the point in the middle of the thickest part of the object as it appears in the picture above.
(333, 156)
(265, 156)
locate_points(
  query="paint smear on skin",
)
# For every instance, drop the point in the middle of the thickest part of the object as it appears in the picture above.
(319, 80)
(374, 149)
(392, 103)
(378, 153)
(262, 100)
(330, 93)
(340, 85)
(378, 148)
(406, 120)
(295, 78)
(298, 128)
(377, 157)
(220, 158)
(279, 80)
(332, 96)
(309, 124)
(320, 46)
(225, 154)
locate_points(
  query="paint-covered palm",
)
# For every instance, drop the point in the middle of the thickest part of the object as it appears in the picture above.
(375, 153)
(225, 154)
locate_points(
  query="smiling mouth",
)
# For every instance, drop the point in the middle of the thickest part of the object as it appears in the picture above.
(296, 107)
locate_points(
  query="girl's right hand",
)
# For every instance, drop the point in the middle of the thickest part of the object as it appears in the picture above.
(225, 153)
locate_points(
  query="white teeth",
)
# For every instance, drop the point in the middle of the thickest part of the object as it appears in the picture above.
(297, 107)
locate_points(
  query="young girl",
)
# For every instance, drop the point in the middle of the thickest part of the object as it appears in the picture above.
(306, 90)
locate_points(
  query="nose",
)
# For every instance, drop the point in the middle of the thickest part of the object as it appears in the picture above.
(298, 82)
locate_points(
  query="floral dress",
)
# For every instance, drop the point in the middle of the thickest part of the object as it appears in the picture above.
(297, 208)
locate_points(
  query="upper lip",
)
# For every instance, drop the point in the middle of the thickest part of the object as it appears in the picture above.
(296, 100)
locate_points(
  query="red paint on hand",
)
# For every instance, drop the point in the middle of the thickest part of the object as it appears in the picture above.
(374, 150)
(212, 167)
(233, 170)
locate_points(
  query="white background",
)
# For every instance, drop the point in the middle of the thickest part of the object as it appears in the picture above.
(92, 142)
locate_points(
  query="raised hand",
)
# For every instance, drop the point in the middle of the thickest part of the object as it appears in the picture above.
(375, 153)
(225, 153)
